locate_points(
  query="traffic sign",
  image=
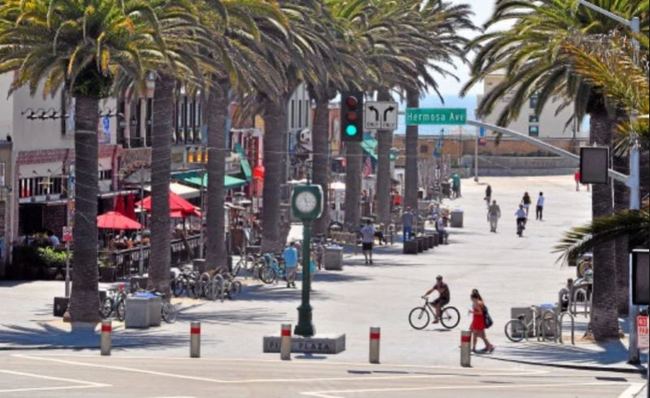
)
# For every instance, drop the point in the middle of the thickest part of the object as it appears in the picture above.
(436, 116)
(380, 115)
(67, 234)
(642, 332)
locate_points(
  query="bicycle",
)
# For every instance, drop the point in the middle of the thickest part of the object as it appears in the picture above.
(420, 317)
(521, 226)
(542, 324)
(185, 283)
(272, 269)
(168, 311)
(114, 303)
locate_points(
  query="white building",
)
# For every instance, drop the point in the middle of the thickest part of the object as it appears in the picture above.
(544, 125)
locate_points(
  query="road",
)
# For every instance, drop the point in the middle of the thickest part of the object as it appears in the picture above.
(37, 375)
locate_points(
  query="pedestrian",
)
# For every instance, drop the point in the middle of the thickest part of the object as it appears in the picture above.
(539, 213)
(456, 185)
(290, 256)
(521, 219)
(494, 213)
(440, 227)
(576, 177)
(367, 239)
(526, 201)
(488, 195)
(479, 324)
(54, 240)
(407, 223)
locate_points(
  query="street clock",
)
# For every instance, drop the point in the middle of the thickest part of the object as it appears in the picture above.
(307, 202)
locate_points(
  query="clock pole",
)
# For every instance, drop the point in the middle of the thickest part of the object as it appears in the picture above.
(305, 326)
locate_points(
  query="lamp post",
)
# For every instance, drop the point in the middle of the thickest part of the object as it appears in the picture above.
(633, 180)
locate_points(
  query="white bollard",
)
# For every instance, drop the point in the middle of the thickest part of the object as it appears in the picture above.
(195, 340)
(465, 349)
(105, 343)
(285, 342)
(375, 336)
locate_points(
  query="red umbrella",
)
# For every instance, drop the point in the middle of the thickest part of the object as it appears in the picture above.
(182, 214)
(176, 204)
(130, 207)
(119, 204)
(115, 220)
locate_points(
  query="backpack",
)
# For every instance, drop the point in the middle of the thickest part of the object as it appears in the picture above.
(488, 319)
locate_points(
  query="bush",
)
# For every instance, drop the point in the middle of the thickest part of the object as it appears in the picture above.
(52, 258)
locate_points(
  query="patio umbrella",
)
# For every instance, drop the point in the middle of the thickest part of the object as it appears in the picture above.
(176, 203)
(115, 220)
(119, 204)
(129, 211)
(183, 214)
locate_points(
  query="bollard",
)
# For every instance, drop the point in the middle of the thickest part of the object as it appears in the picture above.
(285, 342)
(105, 343)
(195, 340)
(465, 349)
(375, 335)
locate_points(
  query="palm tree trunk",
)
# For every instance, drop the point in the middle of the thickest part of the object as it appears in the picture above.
(353, 155)
(384, 143)
(274, 132)
(84, 297)
(217, 116)
(321, 160)
(604, 317)
(160, 260)
(411, 170)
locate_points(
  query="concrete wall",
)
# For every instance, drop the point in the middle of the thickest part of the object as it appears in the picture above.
(524, 166)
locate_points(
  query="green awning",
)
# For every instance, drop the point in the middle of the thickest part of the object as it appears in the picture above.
(245, 166)
(370, 145)
(194, 178)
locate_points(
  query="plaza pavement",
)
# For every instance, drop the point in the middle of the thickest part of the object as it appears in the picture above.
(509, 272)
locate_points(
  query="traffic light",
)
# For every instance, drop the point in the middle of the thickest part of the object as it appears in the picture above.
(352, 116)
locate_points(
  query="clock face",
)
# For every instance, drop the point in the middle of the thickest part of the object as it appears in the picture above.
(306, 202)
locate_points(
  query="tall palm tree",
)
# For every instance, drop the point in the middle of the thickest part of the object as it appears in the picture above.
(78, 46)
(532, 53)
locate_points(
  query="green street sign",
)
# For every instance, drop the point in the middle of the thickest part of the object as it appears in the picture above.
(444, 116)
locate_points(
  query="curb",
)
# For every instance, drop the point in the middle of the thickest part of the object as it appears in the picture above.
(640, 370)
(71, 347)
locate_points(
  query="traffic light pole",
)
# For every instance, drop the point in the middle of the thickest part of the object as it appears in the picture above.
(305, 326)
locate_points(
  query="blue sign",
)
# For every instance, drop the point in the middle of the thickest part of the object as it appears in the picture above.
(438, 150)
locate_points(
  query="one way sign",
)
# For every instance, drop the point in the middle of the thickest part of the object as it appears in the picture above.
(380, 115)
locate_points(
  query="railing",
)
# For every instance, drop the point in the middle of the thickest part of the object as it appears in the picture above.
(573, 305)
(127, 261)
(573, 327)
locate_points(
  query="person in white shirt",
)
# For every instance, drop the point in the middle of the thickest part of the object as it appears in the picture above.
(540, 206)
(368, 238)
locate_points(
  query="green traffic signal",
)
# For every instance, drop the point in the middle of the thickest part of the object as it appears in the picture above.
(351, 130)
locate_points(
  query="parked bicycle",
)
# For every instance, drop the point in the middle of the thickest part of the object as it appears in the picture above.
(543, 325)
(168, 311)
(185, 283)
(420, 317)
(272, 269)
(114, 304)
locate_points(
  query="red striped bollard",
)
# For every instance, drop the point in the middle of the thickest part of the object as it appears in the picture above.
(105, 343)
(375, 336)
(285, 342)
(465, 349)
(195, 340)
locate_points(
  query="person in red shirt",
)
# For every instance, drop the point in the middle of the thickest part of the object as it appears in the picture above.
(576, 177)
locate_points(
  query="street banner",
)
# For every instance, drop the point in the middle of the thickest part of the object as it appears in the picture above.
(67, 234)
(642, 332)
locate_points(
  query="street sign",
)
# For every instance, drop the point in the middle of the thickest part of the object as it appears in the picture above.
(380, 115)
(67, 234)
(436, 116)
(642, 332)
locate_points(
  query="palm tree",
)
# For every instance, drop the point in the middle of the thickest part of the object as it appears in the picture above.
(532, 53)
(78, 46)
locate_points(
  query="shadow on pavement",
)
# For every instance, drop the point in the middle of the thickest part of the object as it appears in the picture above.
(243, 316)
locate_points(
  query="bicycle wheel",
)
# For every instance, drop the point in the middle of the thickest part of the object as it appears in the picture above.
(178, 287)
(419, 318)
(549, 328)
(515, 331)
(267, 274)
(107, 307)
(214, 289)
(236, 268)
(121, 310)
(234, 289)
(169, 313)
(450, 317)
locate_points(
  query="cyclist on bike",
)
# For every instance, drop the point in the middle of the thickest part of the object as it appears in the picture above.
(521, 218)
(443, 297)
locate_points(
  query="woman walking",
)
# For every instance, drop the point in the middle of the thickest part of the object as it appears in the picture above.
(526, 201)
(478, 322)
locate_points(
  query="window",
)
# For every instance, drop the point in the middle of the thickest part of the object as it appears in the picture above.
(39, 186)
(533, 131)
(292, 117)
(307, 113)
(424, 148)
(533, 101)
(533, 119)
(105, 175)
(299, 114)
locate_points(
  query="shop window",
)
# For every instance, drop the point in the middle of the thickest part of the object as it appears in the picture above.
(533, 119)
(424, 148)
(533, 131)
(533, 101)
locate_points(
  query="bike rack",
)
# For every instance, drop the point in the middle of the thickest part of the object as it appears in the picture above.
(543, 329)
(586, 303)
(573, 327)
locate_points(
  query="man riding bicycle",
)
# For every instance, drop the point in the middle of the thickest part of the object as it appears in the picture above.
(443, 297)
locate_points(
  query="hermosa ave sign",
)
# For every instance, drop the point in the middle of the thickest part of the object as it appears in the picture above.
(435, 116)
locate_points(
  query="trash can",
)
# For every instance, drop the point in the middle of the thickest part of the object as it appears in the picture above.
(457, 218)
(137, 313)
(333, 258)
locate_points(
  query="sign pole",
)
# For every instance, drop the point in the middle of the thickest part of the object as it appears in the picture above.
(476, 157)
(67, 269)
(305, 326)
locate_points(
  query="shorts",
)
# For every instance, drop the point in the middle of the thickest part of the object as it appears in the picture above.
(367, 246)
(441, 301)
